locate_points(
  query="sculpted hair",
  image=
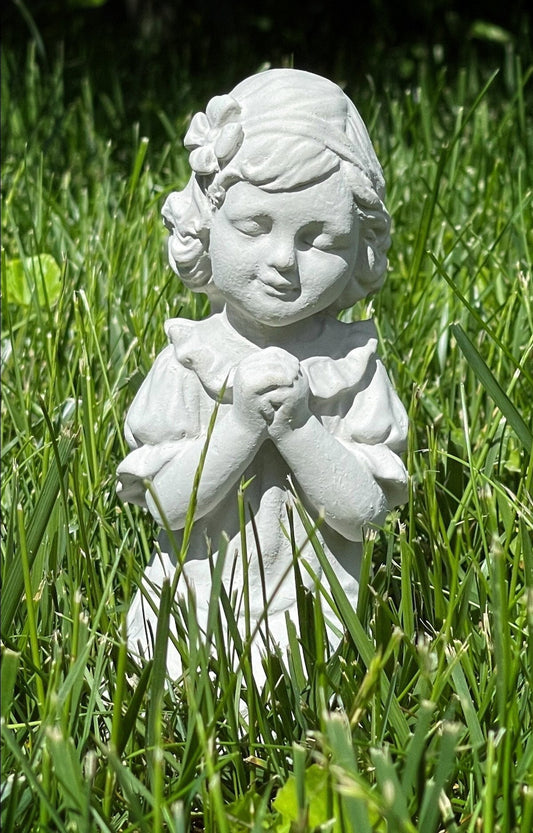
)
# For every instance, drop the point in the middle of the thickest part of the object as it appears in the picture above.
(236, 140)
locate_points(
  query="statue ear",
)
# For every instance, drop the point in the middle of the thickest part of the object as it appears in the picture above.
(370, 266)
(187, 211)
(188, 218)
(374, 243)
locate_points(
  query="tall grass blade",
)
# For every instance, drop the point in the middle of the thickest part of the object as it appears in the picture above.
(8, 677)
(429, 815)
(40, 516)
(493, 388)
(133, 712)
(351, 621)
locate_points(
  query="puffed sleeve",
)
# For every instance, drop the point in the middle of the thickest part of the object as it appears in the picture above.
(165, 412)
(377, 424)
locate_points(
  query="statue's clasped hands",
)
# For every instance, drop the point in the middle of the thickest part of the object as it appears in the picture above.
(271, 393)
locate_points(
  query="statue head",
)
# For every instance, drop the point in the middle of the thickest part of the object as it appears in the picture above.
(282, 131)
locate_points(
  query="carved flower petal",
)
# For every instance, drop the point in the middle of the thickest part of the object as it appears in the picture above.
(203, 160)
(198, 131)
(229, 141)
(221, 109)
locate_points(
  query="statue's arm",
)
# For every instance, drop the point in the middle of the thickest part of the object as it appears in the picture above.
(353, 475)
(231, 448)
(166, 431)
(340, 480)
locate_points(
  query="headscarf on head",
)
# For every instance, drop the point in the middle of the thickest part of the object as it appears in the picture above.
(280, 128)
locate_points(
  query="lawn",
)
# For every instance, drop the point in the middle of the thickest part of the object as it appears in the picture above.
(423, 720)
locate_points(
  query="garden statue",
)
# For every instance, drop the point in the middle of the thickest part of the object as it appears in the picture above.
(283, 225)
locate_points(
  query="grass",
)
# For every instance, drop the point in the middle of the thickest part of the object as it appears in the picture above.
(423, 720)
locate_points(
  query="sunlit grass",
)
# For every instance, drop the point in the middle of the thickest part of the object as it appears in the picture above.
(423, 720)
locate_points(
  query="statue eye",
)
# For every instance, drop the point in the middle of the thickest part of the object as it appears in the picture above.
(253, 226)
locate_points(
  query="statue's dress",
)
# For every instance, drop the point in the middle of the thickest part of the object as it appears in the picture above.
(351, 395)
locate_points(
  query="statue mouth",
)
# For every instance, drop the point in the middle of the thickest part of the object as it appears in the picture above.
(279, 287)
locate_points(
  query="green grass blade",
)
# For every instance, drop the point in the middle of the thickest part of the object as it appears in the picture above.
(350, 619)
(31, 776)
(493, 388)
(8, 677)
(417, 747)
(394, 798)
(40, 516)
(343, 758)
(429, 815)
(67, 768)
(462, 689)
(127, 723)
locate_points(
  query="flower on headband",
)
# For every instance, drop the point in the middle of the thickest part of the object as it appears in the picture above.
(214, 137)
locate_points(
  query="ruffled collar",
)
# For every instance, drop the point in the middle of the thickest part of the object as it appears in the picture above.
(213, 349)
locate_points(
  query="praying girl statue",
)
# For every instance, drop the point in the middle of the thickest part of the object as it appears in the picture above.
(283, 225)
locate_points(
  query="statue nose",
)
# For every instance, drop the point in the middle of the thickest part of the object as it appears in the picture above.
(283, 254)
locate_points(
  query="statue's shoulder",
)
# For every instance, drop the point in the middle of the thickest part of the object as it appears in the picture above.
(183, 330)
(172, 375)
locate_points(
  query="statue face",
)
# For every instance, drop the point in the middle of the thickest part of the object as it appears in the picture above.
(280, 257)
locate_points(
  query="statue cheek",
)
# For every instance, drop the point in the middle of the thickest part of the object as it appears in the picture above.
(327, 267)
(345, 262)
